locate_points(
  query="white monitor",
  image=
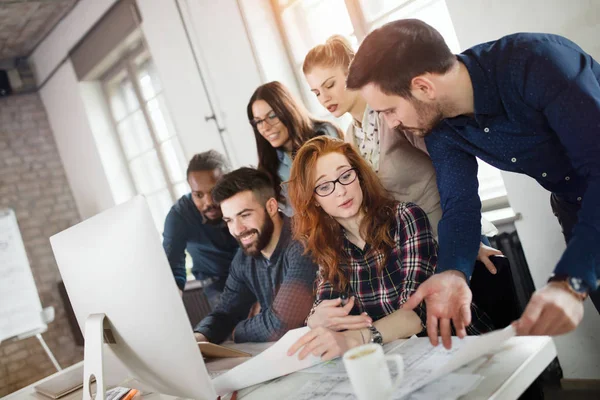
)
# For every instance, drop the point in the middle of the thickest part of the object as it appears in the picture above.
(114, 263)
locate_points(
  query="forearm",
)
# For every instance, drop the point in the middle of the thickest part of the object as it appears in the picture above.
(180, 275)
(216, 327)
(264, 327)
(398, 325)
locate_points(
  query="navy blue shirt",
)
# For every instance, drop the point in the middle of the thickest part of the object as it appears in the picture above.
(537, 112)
(211, 246)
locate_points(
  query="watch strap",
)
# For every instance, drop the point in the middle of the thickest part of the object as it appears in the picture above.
(576, 286)
(375, 335)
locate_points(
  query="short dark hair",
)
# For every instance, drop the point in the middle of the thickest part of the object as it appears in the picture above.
(207, 161)
(391, 56)
(241, 180)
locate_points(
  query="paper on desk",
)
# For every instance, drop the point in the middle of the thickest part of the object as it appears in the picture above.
(449, 387)
(336, 366)
(424, 363)
(477, 347)
(271, 363)
(337, 387)
(427, 374)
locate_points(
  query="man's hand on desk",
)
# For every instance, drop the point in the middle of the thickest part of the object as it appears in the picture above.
(448, 298)
(552, 310)
(200, 337)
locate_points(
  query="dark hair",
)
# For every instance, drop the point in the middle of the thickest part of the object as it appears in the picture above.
(292, 114)
(241, 180)
(207, 161)
(391, 56)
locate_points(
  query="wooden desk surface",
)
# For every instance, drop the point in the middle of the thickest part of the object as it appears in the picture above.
(507, 374)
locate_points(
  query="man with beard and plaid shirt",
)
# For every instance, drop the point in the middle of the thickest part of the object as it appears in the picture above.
(270, 267)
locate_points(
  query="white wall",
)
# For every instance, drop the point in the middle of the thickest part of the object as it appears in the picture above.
(107, 142)
(229, 68)
(184, 91)
(477, 21)
(75, 142)
(273, 61)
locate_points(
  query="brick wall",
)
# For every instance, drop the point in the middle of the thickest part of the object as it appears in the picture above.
(33, 183)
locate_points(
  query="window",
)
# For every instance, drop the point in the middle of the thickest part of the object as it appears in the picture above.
(146, 134)
(306, 23)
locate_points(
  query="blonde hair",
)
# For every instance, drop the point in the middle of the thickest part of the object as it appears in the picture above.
(336, 52)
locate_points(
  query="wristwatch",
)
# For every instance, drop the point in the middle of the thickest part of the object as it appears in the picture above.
(375, 335)
(576, 286)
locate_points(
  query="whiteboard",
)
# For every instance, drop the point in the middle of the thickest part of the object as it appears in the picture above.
(20, 306)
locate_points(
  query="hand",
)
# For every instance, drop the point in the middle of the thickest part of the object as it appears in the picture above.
(447, 297)
(255, 310)
(329, 314)
(484, 256)
(324, 343)
(233, 396)
(552, 310)
(200, 337)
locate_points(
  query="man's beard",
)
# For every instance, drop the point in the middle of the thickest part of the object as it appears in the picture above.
(428, 117)
(263, 237)
(213, 220)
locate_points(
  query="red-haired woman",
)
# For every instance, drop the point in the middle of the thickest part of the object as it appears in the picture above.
(369, 247)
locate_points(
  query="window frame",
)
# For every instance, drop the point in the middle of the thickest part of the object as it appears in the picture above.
(127, 65)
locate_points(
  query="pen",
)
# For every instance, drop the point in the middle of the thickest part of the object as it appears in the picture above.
(344, 297)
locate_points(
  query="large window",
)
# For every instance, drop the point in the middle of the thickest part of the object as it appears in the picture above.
(147, 138)
(306, 23)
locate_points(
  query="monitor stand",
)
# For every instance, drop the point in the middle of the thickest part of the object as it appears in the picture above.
(93, 355)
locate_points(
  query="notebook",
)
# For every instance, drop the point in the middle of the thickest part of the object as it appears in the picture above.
(211, 350)
(62, 384)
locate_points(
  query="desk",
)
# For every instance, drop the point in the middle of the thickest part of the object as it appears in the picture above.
(507, 374)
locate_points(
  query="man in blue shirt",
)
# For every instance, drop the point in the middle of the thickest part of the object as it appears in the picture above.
(195, 223)
(527, 103)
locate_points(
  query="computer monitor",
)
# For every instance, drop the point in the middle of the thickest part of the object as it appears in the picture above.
(114, 263)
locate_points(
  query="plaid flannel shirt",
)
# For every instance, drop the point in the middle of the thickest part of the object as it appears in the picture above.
(283, 285)
(411, 261)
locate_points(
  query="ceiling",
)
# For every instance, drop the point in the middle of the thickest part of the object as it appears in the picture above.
(24, 23)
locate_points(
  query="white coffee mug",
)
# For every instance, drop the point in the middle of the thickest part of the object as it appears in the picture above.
(369, 374)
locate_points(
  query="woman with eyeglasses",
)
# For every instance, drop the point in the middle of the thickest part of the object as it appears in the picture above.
(370, 248)
(399, 158)
(281, 126)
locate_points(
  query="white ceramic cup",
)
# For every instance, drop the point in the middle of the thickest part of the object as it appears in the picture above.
(369, 374)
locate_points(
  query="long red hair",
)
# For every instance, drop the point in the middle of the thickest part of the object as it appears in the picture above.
(322, 235)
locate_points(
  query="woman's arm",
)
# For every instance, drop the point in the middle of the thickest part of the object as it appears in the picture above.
(328, 344)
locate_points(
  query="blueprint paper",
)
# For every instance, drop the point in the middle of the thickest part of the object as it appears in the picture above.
(271, 363)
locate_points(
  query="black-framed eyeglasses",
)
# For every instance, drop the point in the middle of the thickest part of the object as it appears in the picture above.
(271, 119)
(346, 178)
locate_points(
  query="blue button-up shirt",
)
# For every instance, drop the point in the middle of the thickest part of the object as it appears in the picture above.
(537, 112)
(211, 246)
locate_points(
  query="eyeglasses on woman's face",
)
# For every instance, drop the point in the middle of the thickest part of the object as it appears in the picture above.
(326, 188)
(271, 119)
